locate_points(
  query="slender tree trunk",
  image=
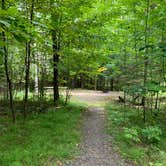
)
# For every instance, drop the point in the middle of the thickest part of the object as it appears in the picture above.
(36, 81)
(9, 81)
(43, 73)
(82, 81)
(156, 102)
(145, 60)
(95, 82)
(36, 76)
(27, 66)
(135, 38)
(163, 41)
(112, 84)
(56, 16)
(55, 47)
(27, 63)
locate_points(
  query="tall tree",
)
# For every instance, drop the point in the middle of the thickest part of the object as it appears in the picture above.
(56, 18)
(28, 56)
(146, 59)
(9, 81)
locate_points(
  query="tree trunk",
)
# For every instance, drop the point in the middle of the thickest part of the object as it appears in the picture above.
(95, 82)
(43, 73)
(112, 84)
(27, 63)
(36, 76)
(156, 102)
(9, 81)
(82, 81)
(145, 60)
(36, 81)
(55, 47)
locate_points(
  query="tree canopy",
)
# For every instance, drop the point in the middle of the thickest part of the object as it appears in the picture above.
(67, 43)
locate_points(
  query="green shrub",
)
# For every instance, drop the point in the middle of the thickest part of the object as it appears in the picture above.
(151, 134)
(132, 134)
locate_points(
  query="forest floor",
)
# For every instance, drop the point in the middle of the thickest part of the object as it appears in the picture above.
(96, 147)
(48, 136)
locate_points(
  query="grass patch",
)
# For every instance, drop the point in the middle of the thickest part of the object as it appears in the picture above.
(143, 144)
(44, 139)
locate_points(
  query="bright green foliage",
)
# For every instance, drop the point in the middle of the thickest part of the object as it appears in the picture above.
(143, 144)
(125, 37)
(152, 134)
(93, 33)
(131, 134)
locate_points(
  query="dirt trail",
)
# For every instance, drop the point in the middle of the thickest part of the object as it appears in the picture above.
(96, 147)
(94, 98)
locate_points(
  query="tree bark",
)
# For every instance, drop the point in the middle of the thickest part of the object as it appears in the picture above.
(95, 82)
(9, 81)
(145, 60)
(112, 84)
(55, 47)
(27, 62)
(36, 76)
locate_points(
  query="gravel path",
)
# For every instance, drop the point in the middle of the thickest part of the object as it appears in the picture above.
(94, 98)
(96, 147)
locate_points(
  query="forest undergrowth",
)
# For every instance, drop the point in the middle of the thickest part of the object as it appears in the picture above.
(142, 143)
(48, 136)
